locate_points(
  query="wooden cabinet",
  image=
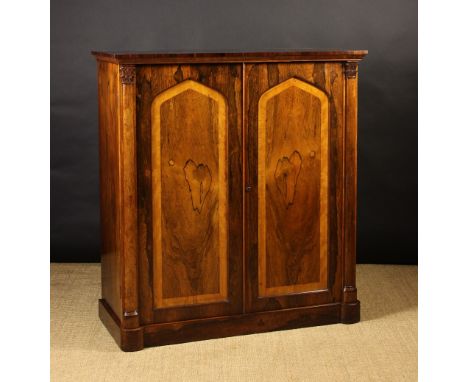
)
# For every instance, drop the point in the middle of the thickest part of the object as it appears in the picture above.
(228, 193)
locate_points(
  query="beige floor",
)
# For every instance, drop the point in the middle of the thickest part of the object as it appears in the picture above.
(382, 347)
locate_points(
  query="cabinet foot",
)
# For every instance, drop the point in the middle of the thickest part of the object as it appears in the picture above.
(350, 312)
(127, 339)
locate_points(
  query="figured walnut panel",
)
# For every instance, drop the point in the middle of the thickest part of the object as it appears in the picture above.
(292, 189)
(190, 192)
(296, 277)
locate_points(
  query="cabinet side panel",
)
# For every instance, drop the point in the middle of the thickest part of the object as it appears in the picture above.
(108, 84)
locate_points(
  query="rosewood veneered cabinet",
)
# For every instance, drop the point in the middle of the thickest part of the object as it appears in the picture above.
(228, 193)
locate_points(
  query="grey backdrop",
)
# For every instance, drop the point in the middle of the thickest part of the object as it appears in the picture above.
(387, 218)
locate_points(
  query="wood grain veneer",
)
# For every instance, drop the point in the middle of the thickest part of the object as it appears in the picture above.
(293, 168)
(228, 193)
(189, 195)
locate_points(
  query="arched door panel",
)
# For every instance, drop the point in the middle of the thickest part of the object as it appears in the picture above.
(292, 110)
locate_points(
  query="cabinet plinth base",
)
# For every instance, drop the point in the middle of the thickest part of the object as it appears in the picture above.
(227, 326)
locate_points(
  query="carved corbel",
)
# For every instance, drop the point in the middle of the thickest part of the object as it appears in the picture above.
(350, 69)
(127, 74)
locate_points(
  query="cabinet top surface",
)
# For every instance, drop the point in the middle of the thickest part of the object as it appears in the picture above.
(215, 57)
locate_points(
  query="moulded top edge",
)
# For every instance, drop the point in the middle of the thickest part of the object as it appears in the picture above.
(214, 57)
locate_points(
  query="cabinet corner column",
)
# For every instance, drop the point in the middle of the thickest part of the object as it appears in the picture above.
(350, 312)
(128, 195)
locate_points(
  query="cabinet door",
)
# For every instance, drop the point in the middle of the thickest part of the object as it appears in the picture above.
(294, 118)
(190, 199)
